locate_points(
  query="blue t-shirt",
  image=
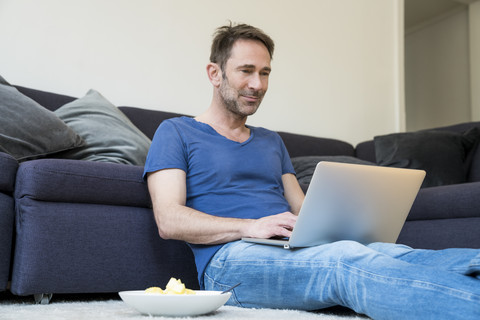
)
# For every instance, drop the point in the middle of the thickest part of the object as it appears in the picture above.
(224, 178)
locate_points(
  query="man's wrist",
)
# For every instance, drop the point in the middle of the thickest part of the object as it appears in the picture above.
(245, 227)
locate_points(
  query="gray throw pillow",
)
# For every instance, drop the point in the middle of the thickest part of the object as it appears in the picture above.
(305, 166)
(442, 154)
(28, 130)
(110, 136)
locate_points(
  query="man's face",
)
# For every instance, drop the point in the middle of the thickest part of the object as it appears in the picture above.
(245, 78)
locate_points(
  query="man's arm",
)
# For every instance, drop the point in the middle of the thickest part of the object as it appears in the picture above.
(293, 192)
(177, 221)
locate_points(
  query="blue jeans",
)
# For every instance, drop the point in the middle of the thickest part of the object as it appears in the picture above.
(380, 280)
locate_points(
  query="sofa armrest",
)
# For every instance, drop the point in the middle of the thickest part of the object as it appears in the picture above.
(77, 181)
(447, 202)
(8, 170)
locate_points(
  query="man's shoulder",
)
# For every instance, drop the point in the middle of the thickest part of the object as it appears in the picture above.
(261, 131)
(182, 120)
(176, 123)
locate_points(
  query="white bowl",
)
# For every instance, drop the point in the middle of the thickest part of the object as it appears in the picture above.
(157, 304)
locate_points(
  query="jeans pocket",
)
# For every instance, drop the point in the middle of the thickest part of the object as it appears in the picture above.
(211, 284)
(474, 268)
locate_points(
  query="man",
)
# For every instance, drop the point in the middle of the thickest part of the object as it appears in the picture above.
(214, 180)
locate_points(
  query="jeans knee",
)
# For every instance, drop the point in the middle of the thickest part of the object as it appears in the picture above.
(352, 252)
(348, 246)
(390, 249)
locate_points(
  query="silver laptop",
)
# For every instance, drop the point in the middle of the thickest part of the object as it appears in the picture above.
(353, 202)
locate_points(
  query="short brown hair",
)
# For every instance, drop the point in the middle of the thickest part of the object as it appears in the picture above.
(225, 37)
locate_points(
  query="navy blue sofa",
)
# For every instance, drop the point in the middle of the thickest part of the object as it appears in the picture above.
(8, 171)
(88, 227)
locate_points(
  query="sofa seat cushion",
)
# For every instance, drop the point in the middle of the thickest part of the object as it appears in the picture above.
(8, 171)
(74, 181)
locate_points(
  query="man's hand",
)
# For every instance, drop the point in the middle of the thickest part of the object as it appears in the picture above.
(278, 225)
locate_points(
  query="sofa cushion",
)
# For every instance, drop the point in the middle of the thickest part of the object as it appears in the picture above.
(28, 130)
(366, 151)
(305, 166)
(442, 154)
(110, 136)
(474, 172)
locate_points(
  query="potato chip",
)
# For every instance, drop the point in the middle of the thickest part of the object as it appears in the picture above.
(174, 286)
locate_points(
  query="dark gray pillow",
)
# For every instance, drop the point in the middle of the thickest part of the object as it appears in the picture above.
(28, 130)
(110, 136)
(305, 166)
(441, 154)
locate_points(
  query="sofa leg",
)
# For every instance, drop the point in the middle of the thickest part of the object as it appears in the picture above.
(42, 298)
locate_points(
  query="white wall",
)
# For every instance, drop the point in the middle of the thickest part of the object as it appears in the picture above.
(337, 70)
(474, 31)
(437, 72)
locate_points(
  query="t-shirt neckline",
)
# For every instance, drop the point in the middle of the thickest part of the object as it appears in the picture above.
(209, 129)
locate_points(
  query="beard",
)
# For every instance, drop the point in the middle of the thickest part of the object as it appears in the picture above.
(231, 99)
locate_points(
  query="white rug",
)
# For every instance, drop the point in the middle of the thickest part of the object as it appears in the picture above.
(117, 309)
